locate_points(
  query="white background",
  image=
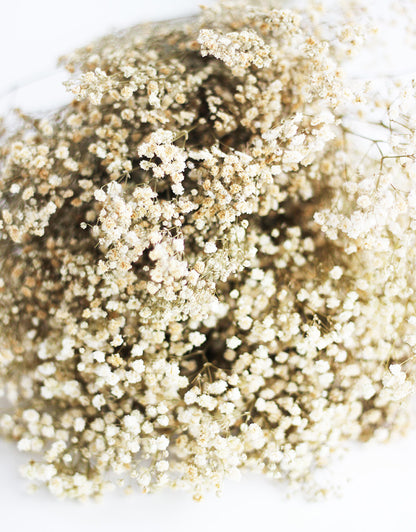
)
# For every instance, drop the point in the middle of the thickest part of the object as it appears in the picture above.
(378, 480)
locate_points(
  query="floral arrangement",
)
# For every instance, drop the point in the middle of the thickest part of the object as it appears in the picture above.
(207, 257)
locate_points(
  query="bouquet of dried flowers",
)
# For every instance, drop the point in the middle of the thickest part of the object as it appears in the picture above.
(207, 264)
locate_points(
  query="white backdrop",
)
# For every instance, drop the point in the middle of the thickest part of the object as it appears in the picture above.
(380, 491)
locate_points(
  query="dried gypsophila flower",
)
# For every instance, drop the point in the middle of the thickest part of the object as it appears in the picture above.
(189, 287)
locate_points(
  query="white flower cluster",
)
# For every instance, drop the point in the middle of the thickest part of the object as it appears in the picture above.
(206, 265)
(237, 49)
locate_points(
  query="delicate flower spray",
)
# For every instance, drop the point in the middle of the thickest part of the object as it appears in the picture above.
(207, 260)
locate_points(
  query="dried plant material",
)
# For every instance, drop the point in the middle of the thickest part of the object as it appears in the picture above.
(206, 262)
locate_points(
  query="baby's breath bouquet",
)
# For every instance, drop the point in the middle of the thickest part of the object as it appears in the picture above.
(207, 257)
